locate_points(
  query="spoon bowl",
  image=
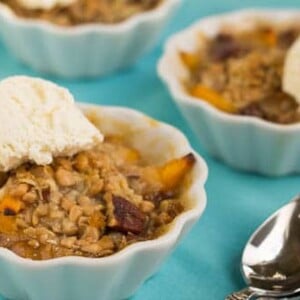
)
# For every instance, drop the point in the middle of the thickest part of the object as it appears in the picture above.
(271, 258)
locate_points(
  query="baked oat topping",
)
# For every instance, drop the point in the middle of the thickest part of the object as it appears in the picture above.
(85, 11)
(92, 204)
(241, 73)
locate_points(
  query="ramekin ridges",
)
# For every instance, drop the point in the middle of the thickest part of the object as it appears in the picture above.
(114, 277)
(243, 142)
(83, 50)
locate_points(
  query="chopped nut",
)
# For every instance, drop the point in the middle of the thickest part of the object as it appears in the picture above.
(104, 244)
(56, 226)
(147, 206)
(56, 214)
(75, 213)
(20, 190)
(91, 248)
(81, 162)
(91, 234)
(67, 203)
(69, 227)
(97, 219)
(88, 210)
(84, 201)
(163, 218)
(69, 242)
(31, 232)
(64, 163)
(65, 178)
(35, 219)
(30, 197)
(96, 186)
(42, 210)
(21, 223)
(34, 244)
(83, 221)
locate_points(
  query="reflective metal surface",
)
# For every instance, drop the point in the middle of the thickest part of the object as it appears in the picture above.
(271, 259)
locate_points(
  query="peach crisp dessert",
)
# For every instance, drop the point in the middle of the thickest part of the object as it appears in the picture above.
(65, 190)
(76, 12)
(241, 72)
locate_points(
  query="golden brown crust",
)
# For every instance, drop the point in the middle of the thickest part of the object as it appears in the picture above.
(93, 204)
(86, 11)
(241, 73)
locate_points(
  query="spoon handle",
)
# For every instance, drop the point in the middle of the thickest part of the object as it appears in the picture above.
(245, 294)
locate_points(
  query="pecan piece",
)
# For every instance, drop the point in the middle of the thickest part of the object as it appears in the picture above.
(126, 216)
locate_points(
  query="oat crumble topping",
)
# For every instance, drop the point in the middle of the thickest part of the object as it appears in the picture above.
(92, 204)
(241, 73)
(86, 11)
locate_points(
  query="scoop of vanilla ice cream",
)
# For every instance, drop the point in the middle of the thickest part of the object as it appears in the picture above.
(44, 4)
(291, 71)
(39, 120)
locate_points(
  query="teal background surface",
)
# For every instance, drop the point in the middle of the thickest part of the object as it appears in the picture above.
(206, 264)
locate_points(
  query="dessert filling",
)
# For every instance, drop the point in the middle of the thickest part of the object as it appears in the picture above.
(76, 12)
(241, 73)
(92, 204)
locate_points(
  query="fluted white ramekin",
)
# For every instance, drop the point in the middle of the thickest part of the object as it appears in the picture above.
(243, 142)
(117, 276)
(84, 50)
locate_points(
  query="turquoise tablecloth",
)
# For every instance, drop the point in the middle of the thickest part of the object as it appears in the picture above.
(206, 264)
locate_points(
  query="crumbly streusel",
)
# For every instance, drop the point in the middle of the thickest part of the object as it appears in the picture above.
(241, 73)
(86, 11)
(92, 204)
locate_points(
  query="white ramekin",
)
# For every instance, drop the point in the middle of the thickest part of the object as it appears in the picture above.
(118, 276)
(243, 142)
(83, 50)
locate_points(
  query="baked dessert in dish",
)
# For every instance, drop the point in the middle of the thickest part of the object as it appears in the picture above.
(108, 35)
(76, 12)
(92, 204)
(241, 72)
(88, 199)
(244, 108)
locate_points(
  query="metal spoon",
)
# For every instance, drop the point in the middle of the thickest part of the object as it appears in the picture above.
(271, 258)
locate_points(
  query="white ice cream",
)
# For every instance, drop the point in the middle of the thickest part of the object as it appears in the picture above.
(44, 4)
(291, 71)
(39, 120)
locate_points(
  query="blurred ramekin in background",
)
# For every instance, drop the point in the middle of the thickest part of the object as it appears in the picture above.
(244, 142)
(83, 50)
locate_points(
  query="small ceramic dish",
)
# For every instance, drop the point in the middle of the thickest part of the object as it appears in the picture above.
(119, 275)
(83, 50)
(244, 142)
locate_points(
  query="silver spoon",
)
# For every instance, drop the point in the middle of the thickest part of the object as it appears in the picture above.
(271, 258)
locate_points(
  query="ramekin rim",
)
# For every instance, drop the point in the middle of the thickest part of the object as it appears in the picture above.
(168, 238)
(180, 95)
(159, 12)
